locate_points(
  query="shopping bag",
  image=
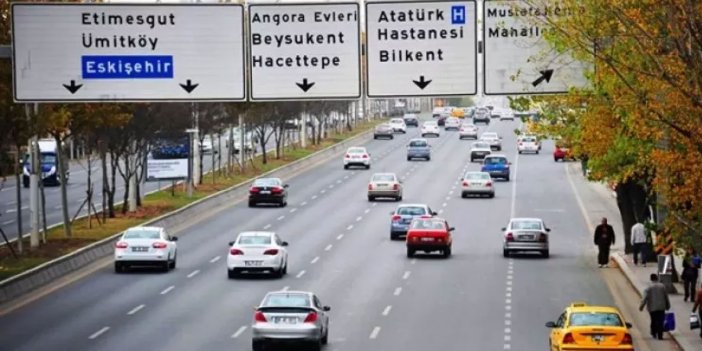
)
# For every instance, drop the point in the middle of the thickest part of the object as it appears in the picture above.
(694, 321)
(669, 322)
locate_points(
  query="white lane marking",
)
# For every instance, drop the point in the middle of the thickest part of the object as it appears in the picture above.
(300, 274)
(349, 227)
(97, 334)
(448, 198)
(338, 181)
(215, 259)
(507, 347)
(508, 322)
(509, 282)
(239, 332)
(398, 291)
(414, 260)
(328, 247)
(366, 210)
(266, 226)
(359, 218)
(374, 333)
(193, 273)
(292, 210)
(508, 301)
(508, 338)
(323, 191)
(285, 288)
(167, 290)
(386, 311)
(331, 186)
(509, 294)
(303, 203)
(346, 177)
(374, 204)
(450, 192)
(281, 218)
(508, 308)
(403, 178)
(27, 207)
(135, 309)
(509, 288)
(406, 275)
(579, 200)
(340, 236)
(12, 210)
(443, 205)
(314, 197)
(508, 330)
(441, 211)
(509, 277)
(514, 186)
(508, 315)
(314, 260)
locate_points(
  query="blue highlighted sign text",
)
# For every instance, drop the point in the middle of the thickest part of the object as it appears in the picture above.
(127, 67)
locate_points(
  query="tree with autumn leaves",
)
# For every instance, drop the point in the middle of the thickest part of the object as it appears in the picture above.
(639, 123)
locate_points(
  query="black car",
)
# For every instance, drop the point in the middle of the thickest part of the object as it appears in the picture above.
(411, 120)
(268, 191)
(440, 119)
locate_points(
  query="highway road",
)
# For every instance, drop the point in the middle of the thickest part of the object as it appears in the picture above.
(77, 186)
(340, 249)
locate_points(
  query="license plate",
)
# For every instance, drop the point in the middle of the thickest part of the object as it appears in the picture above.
(597, 338)
(382, 185)
(265, 192)
(286, 320)
(427, 239)
(526, 237)
(476, 184)
(140, 249)
(253, 263)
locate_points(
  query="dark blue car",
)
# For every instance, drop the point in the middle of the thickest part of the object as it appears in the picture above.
(497, 166)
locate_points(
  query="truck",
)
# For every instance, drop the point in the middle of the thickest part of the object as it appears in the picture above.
(48, 156)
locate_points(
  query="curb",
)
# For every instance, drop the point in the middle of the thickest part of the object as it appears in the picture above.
(629, 274)
(48, 272)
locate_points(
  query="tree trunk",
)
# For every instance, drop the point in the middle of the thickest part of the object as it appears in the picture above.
(262, 139)
(64, 194)
(114, 161)
(105, 183)
(632, 203)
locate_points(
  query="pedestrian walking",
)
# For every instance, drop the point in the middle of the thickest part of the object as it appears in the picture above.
(604, 239)
(697, 307)
(655, 299)
(639, 242)
(690, 274)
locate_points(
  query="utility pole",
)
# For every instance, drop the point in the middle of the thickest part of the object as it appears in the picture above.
(303, 129)
(132, 205)
(34, 179)
(196, 143)
(242, 142)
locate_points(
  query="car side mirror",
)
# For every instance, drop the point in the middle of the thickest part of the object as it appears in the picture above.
(174, 238)
(503, 229)
(550, 325)
(548, 229)
(452, 229)
(286, 186)
(326, 308)
(231, 243)
(509, 163)
(285, 243)
(628, 325)
(433, 213)
(392, 213)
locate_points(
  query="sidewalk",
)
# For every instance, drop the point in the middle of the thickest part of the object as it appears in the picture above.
(638, 276)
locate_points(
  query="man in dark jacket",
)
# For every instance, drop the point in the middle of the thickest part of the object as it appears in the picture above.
(655, 299)
(604, 238)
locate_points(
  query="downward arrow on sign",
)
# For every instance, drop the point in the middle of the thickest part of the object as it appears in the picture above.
(421, 83)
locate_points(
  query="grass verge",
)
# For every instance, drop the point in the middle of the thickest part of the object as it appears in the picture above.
(87, 231)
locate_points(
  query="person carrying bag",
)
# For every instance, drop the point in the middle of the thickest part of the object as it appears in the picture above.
(697, 308)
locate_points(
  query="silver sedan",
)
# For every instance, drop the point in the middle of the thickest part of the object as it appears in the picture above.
(384, 185)
(477, 183)
(526, 234)
(290, 317)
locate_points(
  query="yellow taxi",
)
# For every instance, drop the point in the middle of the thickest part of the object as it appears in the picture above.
(585, 327)
(458, 112)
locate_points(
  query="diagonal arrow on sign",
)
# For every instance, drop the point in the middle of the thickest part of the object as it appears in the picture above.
(545, 75)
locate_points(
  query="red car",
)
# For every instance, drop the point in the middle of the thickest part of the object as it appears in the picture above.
(429, 234)
(562, 153)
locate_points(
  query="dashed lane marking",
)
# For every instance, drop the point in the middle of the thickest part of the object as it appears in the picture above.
(406, 275)
(339, 237)
(366, 210)
(375, 204)
(135, 309)
(387, 309)
(193, 273)
(397, 291)
(97, 334)
(303, 203)
(349, 227)
(374, 333)
(314, 197)
(238, 332)
(338, 181)
(328, 247)
(167, 290)
(292, 210)
(215, 259)
(359, 218)
(441, 211)
(300, 274)
(285, 288)
(281, 218)
(331, 186)
(266, 226)
(414, 260)
(322, 191)
(314, 260)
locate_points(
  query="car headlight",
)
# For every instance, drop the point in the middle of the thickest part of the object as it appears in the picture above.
(53, 169)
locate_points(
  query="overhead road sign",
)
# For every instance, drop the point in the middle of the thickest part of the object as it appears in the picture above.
(518, 59)
(304, 51)
(118, 52)
(421, 48)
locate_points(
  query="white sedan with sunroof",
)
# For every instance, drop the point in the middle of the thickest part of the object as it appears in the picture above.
(257, 252)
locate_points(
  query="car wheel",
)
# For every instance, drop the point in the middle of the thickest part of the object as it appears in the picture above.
(119, 268)
(447, 252)
(544, 253)
(391, 137)
(371, 198)
(252, 204)
(283, 203)
(165, 266)
(537, 152)
(231, 274)
(399, 198)
(368, 167)
(346, 166)
(472, 160)
(491, 195)
(285, 268)
(258, 345)
(505, 253)
(409, 158)
(520, 152)
(172, 264)
(410, 253)
(422, 137)
(393, 236)
(507, 178)
(325, 338)
(428, 158)
(375, 137)
(25, 182)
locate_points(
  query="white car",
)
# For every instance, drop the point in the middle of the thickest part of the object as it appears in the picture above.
(528, 143)
(506, 115)
(206, 146)
(452, 123)
(479, 150)
(430, 128)
(257, 252)
(145, 246)
(477, 183)
(468, 131)
(357, 156)
(398, 125)
(493, 139)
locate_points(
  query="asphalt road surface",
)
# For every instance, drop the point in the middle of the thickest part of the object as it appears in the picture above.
(340, 249)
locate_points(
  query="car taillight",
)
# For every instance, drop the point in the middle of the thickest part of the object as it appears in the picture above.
(396, 187)
(365, 156)
(271, 252)
(259, 317)
(568, 339)
(627, 339)
(370, 186)
(542, 237)
(311, 317)
(347, 156)
(254, 190)
(236, 252)
(510, 237)
(425, 216)
(159, 245)
(396, 218)
(465, 183)
(121, 245)
(277, 190)
(461, 129)
(520, 144)
(488, 184)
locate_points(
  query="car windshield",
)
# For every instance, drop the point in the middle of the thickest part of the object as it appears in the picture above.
(430, 123)
(489, 136)
(468, 125)
(529, 139)
(383, 178)
(411, 211)
(418, 143)
(428, 224)
(254, 240)
(526, 225)
(286, 300)
(476, 176)
(480, 146)
(142, 234)
(356, 151)
(495, 161)
(267, 182)
(581, 319)
(397, 121)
